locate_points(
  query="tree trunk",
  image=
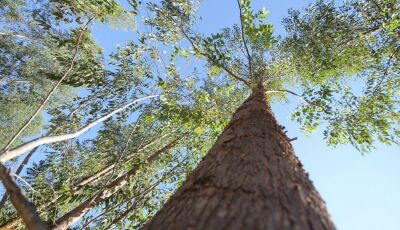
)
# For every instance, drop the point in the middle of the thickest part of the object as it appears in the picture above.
(250, 179)
(75, 214)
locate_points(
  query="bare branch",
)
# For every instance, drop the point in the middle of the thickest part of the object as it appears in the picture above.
(25, 208)
(215, 62)
(29, 155)
(10, 154)
(243, 37)
(290, 92)
(76, 213)
(139, 197)
(107, 170)
(53, 90)
(13, 34)
(12, 81)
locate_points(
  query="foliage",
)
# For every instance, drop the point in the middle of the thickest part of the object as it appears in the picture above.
(352, 56)
(37, 39)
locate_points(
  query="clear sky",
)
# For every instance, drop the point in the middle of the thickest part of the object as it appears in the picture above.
(361, 192)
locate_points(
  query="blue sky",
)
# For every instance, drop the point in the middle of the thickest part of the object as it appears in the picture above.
(361, 192)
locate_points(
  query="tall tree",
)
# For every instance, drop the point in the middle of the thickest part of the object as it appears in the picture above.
(250, 179)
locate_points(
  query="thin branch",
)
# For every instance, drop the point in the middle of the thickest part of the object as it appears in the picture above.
(290, 92)
(139, 197)
(53, 90)
(122, 154)
(30, 154)
(22, 179)
(12, 81)
(215, 62)
(13, 34)
(25, 208)
(385, 72)
(243, 37)
(76, 213)
(107, 170)
(10, 154)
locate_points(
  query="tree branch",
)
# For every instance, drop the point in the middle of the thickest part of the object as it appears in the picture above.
(290, 92)
(139, 197)
(25, 208)
(243, 37)
(76, 213)
(215, 62)
(10, 154)
(12, 81)
(107, 170)
(13, 34)
(29, 155)
(53, 90)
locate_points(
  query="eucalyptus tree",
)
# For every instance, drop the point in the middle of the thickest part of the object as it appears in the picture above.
(251, 178)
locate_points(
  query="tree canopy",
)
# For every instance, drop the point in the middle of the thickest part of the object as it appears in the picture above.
(165, 96)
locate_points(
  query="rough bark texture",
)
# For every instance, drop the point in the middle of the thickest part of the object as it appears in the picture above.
(250, 179)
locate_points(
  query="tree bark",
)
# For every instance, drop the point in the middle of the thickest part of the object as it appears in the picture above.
(250, 179)
(78, 212)
(25, 208)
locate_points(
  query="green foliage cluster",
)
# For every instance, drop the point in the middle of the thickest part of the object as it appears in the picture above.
(352, 56)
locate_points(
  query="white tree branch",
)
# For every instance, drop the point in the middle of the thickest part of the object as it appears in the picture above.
(13, 34)
(10, 154)
(55, 87)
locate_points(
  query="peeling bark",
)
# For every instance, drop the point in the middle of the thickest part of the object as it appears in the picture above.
(250, 179)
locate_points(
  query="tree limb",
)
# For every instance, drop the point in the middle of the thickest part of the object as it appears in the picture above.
(10, 154)
(107, 170)
(13, 34)
(55, 87)
(215, 62)
(25, 208)
(30, 154)
(76, 213)
(243, 37)
(290, 92)
(139, 197)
